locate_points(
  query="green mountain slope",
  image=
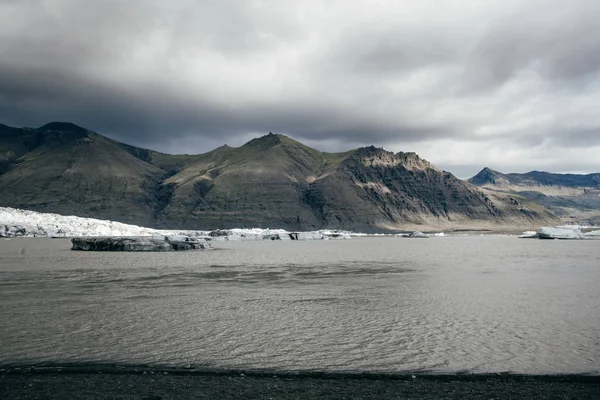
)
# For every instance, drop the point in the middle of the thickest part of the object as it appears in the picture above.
(272, 181)
(74, 171)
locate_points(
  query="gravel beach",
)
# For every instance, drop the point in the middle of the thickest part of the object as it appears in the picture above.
(178, 384)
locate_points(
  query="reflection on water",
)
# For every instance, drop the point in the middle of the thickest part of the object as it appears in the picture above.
(449, 304)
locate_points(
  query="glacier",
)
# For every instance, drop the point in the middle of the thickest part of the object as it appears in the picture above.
(24, 223)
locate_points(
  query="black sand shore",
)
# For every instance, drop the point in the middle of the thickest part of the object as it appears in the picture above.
(151, 383)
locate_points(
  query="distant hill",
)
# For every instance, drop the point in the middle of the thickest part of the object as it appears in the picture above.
(272, 181)
(572, 197)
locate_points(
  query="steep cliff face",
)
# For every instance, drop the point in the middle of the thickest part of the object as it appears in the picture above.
(375, 188)
(272, 181)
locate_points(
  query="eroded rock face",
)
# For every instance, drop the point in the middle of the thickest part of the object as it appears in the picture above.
(138, 243)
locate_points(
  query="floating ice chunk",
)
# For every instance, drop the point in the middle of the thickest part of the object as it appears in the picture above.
(568, 232)
(418, 234)
(529, 235)
(415, 234)
(333, 234)
(562, 232)
(137, 243)
(591, 235)
(309, 236)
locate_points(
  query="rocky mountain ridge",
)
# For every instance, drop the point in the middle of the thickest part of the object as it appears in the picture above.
(271, 181)
(574, 198)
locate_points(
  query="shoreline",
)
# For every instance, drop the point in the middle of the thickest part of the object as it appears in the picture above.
(104, 381)
(199, 370)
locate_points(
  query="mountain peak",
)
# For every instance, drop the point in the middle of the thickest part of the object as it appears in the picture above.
(371, 149)
(272, 140)
(378, 156)
(63, 127)
(265, 141)
(487, 175)
(59, 133)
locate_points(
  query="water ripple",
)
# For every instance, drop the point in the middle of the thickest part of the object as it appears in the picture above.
(448, 305)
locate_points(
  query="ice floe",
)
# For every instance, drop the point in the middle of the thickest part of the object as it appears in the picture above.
(416, 234)
(566, 232)
(138, 243)
(529, 235)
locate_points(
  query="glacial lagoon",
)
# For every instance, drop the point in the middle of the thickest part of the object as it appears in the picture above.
(382, 304)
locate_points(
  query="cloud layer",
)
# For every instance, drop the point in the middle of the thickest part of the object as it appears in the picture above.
(514, 85)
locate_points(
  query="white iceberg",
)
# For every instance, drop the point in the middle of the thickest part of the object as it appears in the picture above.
(559, 232)
(529, 235)
(415, 234)
(591, 235)
(566, 233)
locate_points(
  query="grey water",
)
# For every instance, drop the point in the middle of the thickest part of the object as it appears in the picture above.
(382, 304)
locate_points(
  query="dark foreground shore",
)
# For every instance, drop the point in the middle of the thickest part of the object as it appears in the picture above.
(154, 384)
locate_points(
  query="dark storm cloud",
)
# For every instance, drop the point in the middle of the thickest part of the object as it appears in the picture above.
(145, 113)
(523, 77)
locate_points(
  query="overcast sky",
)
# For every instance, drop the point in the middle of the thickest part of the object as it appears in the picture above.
(513, 85)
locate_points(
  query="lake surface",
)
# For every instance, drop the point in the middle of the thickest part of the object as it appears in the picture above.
(448, 304)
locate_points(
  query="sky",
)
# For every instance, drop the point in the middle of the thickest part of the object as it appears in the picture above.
(512, 85)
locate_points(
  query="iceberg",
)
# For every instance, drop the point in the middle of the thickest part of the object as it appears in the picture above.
(566, 233)
(529, 235)
(559, 233)
(415, 234)
(591, 235)
(138, 243)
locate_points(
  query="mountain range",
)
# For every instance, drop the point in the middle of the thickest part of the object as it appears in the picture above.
(272, 181)
(572, 197)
